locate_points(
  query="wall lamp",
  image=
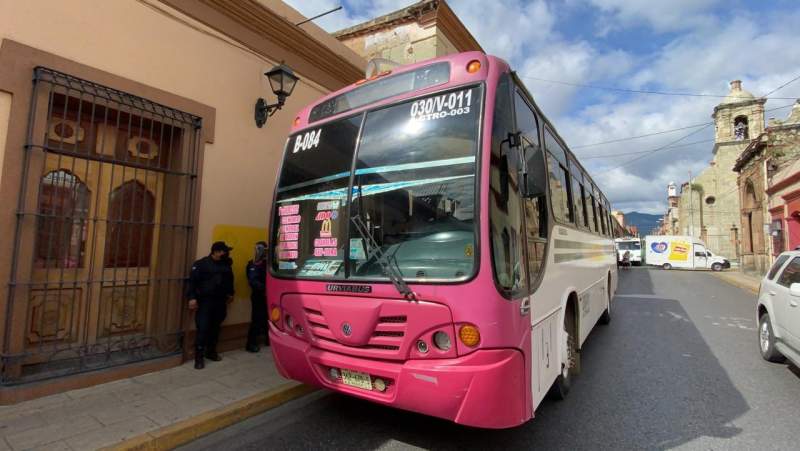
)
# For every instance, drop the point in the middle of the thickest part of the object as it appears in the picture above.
(282, 81)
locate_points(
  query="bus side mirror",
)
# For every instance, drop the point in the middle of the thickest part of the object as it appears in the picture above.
(514, 140)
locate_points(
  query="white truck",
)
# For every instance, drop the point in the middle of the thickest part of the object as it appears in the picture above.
(633, 246)
(685, 252)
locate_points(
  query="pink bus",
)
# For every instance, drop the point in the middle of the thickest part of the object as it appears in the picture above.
(435, 246)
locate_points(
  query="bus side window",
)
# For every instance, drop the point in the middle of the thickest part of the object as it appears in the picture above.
(505, 204)
(560, 183)
(536, 189)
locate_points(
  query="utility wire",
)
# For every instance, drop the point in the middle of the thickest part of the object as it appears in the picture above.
(643, 91)
(662, 132)
(657, 149)
(591, 157)
(782, 86)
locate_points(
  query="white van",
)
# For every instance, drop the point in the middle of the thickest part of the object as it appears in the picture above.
(681, 252)
(632, 245)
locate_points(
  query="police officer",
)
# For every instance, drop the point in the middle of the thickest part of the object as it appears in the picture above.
(256, 277)
(209, 291)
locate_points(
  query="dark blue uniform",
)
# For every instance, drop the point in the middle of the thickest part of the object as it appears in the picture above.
(211, 284)
(257, 278)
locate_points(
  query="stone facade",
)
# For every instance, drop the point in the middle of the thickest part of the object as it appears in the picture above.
(424, 30)
(768, 181)
(709, 203)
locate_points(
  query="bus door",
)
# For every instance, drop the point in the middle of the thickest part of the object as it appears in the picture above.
(700, 256)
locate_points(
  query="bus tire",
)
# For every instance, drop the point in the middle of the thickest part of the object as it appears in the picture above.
(605, 318)
(571, 367)
(716, 267)
(666, 266)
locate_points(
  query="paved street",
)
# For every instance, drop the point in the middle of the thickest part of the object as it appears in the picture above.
(678, 368)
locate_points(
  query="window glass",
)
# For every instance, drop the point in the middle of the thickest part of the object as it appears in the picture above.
(592, 213)
(414, 187)
(62, 221)
(504, 198)
(560, 184)
(382, 88)
(526, 119)
(791, 274)
(602, 218)
(578, 202)
(535, 209)
(777, 266)
(311, 199)
(131, 211)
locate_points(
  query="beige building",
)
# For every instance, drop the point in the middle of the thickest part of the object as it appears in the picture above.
(127, 145)
(424, 30)
(769, 187)
(709, 203)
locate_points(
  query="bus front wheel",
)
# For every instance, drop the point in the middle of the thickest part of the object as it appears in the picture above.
(666, 266)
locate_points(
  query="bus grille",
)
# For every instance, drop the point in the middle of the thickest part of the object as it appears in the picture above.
(387, 336)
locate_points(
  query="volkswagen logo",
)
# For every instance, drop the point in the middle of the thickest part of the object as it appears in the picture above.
(346, 329)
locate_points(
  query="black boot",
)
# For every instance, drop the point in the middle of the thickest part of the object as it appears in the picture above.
(199, 363)
(212, 355)
(251, 347)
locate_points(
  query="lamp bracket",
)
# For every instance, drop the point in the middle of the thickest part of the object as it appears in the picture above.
(263, 110)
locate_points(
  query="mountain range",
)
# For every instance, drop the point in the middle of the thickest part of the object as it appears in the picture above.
(643, 221)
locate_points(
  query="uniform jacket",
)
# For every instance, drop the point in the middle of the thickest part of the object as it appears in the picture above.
(257, 277)
(210, 280)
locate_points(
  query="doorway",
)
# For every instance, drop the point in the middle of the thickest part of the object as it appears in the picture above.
(103, 232)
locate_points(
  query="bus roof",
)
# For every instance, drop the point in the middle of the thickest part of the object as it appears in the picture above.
(458, 76)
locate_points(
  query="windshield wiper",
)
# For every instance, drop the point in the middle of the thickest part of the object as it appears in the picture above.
(374, 251)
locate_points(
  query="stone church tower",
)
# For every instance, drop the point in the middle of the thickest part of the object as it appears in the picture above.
(709, 203)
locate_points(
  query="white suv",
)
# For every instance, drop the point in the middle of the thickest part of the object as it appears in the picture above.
(778, 310)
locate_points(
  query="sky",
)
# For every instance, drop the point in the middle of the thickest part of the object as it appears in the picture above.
(676, 46)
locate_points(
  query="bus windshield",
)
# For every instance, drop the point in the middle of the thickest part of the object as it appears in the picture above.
(629, 245)
(412, 183)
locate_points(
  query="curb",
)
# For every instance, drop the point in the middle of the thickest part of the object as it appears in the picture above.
(730, 278)
(185, 431)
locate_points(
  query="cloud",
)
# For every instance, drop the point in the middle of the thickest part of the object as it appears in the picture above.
(693, 46)
(659, 15)
(353, 12)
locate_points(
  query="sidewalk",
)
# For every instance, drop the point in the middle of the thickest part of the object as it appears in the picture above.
(739, 279)
(153, 411)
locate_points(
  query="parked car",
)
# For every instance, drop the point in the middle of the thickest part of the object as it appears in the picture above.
(778, 310)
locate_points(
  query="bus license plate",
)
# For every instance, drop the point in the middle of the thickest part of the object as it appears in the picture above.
(356, 379)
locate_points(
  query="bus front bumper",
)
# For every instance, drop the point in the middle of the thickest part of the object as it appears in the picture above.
(483, 389)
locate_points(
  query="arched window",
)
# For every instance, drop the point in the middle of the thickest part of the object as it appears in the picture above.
(749, 204)
(61, 226)
(131, 210)
(740, 129)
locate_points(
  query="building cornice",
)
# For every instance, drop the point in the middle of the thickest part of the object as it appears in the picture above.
(436, 11)
(752, 149)
(786, 182)
(731, 106)
(265, 32)
(455, 30)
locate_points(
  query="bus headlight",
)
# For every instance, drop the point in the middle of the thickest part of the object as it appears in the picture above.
(442, 341)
